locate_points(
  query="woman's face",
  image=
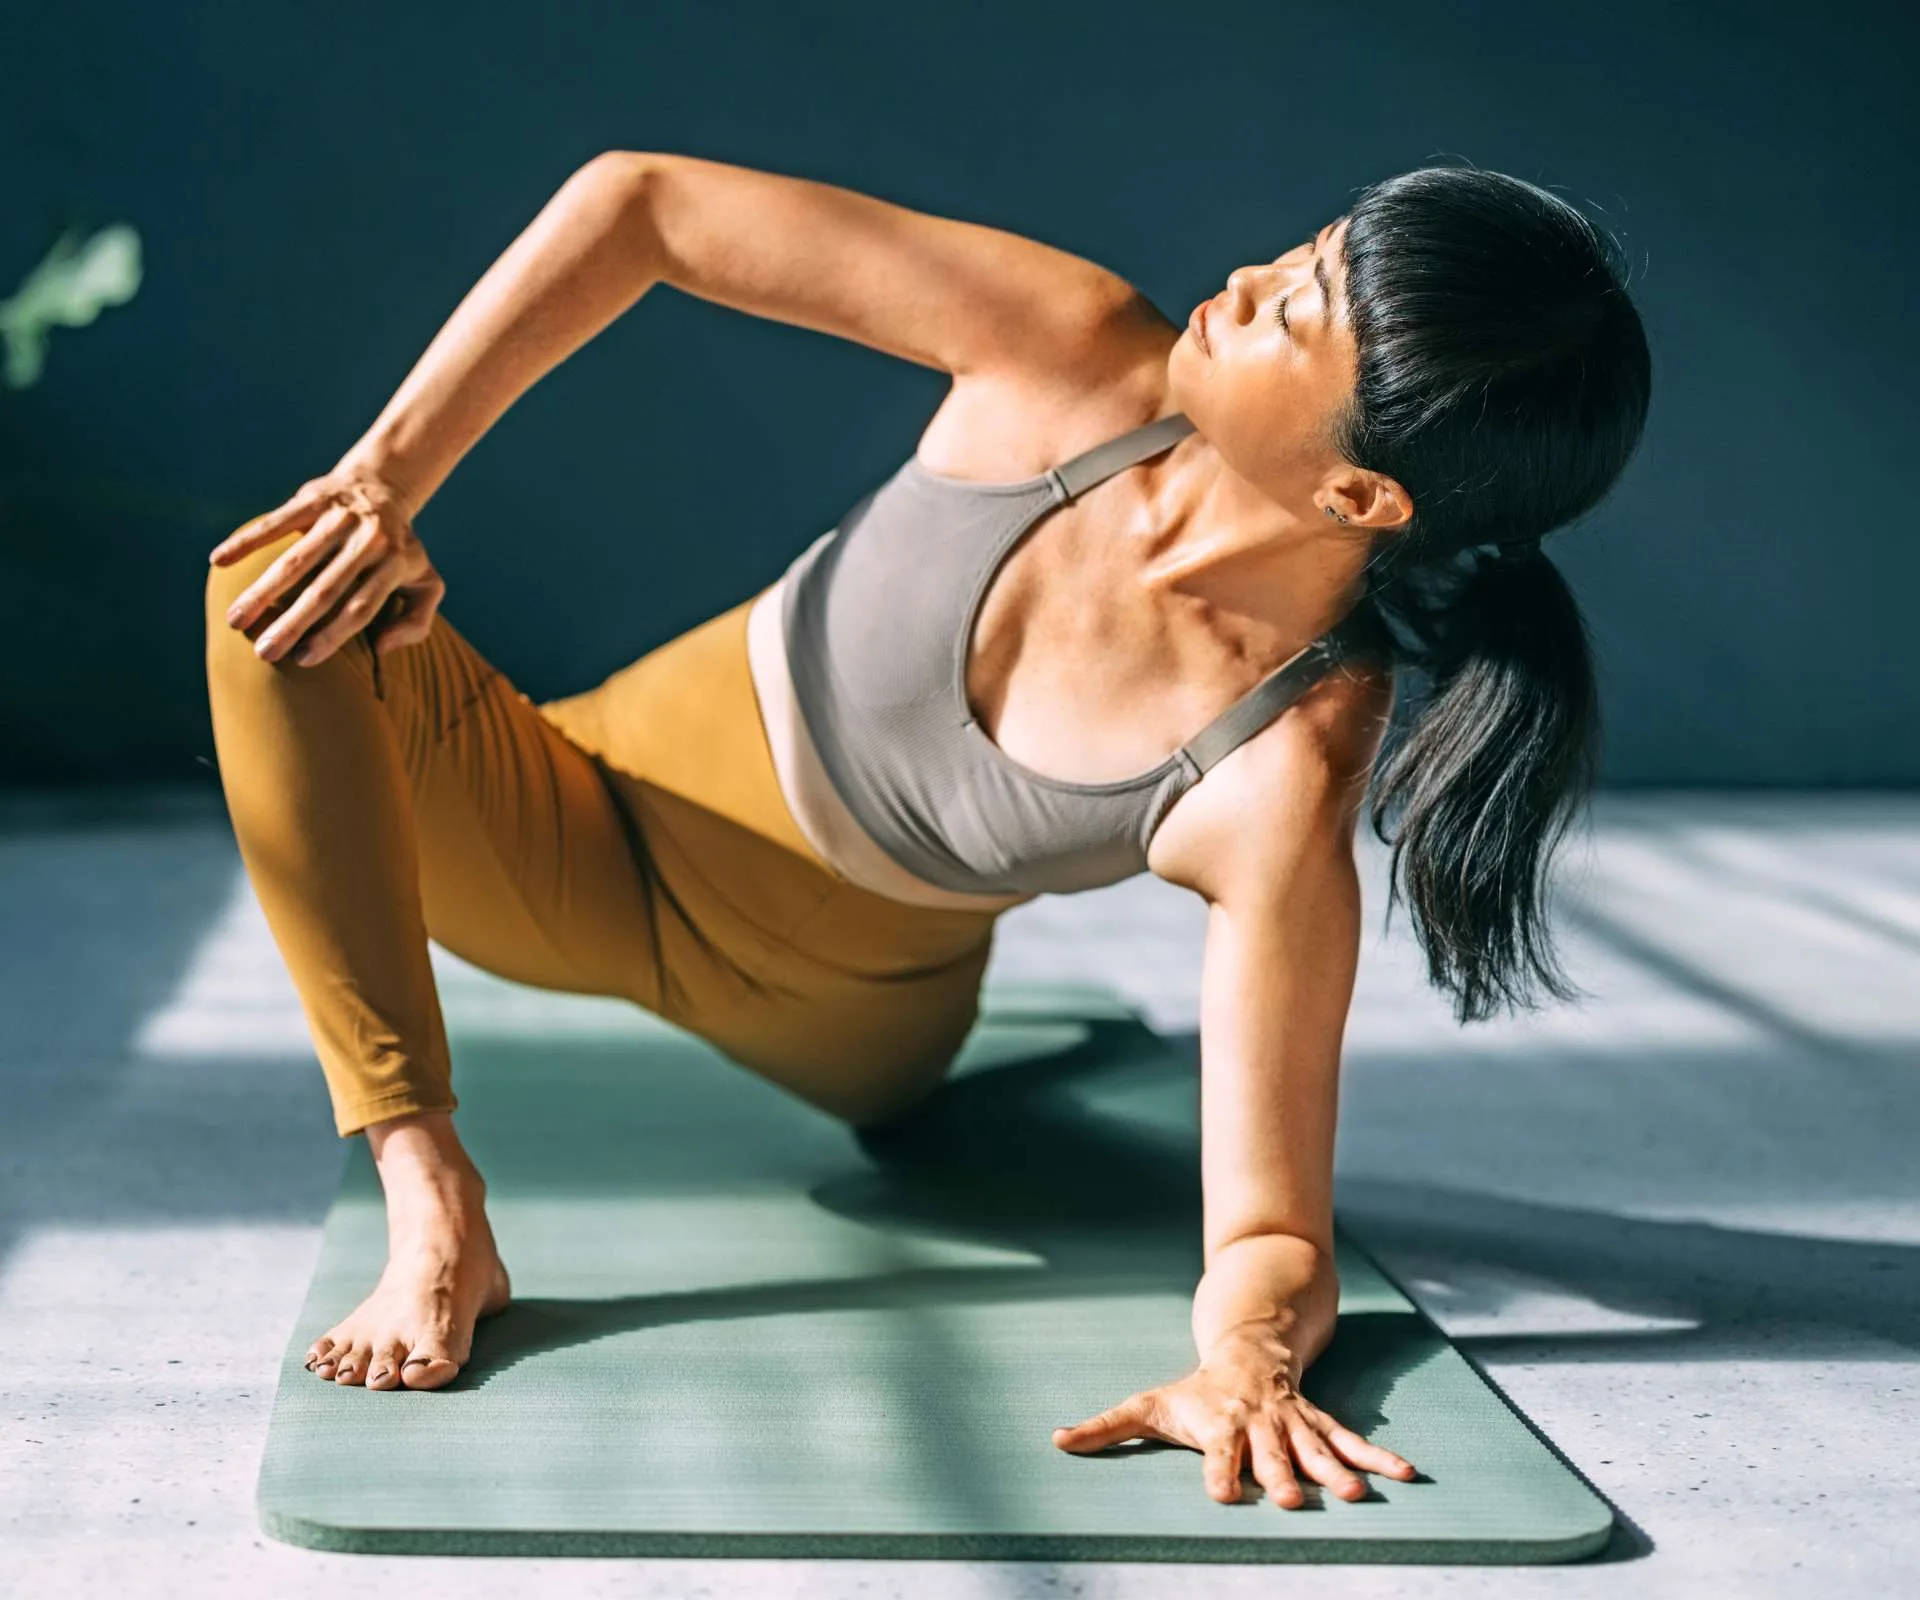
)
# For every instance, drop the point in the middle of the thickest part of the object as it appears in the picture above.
(1264, 391)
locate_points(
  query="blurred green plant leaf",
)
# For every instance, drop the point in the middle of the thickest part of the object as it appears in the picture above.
(68, 288)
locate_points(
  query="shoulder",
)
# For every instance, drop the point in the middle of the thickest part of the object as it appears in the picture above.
(1002, 423)
(1295, 787)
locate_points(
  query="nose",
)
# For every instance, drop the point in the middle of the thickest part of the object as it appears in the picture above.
(1243, 285)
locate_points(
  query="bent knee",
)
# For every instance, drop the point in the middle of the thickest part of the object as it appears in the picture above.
(225, 584)
(232, 650)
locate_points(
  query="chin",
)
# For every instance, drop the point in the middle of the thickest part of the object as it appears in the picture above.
(1183, 393)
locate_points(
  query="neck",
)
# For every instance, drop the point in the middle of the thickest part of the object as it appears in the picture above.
(1216, 539)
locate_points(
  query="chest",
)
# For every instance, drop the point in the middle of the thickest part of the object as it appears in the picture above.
(1075, 666)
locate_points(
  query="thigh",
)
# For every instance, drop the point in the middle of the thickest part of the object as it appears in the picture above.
(529, 866)
(853, 1001)
(861, 1045)
(677, 739)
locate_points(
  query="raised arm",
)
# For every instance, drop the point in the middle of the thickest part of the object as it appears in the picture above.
(956, 295)
(959, 296)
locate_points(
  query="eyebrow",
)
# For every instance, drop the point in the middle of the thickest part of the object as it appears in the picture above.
(1326, 287)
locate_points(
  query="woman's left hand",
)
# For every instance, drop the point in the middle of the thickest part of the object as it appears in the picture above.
(1245, 1394)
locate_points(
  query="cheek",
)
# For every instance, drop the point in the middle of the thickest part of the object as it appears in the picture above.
(1246, 403)
(1257, 398)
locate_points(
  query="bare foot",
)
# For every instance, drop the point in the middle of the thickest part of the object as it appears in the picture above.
(443, 1270)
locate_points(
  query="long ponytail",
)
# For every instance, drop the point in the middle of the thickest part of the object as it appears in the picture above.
(1504, 381)
(1487, 778)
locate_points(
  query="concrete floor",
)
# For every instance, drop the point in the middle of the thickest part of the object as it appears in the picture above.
(1679, 1225)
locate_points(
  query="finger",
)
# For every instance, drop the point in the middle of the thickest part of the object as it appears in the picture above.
(1222, 1466)
(1366, 1455)
(299, 558)
(359, 608)
(1320, 1464)
(1272, 1465)
(415, 622)
(1131, 1419)
(298, 511)
(319, 597)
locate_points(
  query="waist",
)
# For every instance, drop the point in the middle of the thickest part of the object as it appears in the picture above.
(818, 811)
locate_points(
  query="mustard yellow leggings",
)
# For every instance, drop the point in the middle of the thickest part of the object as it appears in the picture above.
(628, 841)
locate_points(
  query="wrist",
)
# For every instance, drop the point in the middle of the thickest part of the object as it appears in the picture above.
(378, 459)
(1273, 1285)
(1261, 1345)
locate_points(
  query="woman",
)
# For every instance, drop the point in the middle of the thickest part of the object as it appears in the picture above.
(791, 829)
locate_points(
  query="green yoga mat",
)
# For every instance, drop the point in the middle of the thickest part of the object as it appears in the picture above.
(739, 1330)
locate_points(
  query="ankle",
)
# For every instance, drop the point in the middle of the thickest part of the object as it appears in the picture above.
(421, 1159)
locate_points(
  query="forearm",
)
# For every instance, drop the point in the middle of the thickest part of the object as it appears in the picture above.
(582, 261)
(1284, 1283)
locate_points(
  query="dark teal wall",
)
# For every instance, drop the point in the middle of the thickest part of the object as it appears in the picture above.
(317, 185)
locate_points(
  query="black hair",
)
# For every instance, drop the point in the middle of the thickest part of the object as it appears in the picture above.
(1503, 380)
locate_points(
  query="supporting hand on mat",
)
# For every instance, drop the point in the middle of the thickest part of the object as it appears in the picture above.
(358, 553)
(1244, 1394)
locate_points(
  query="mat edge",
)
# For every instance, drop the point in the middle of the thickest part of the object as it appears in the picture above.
(304, 1533)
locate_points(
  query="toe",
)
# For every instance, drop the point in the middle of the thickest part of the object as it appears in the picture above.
(352, 1366)
(427, 1368)
(330, 1353)
(384, 1373)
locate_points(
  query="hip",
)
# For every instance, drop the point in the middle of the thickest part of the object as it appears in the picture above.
(681, 739)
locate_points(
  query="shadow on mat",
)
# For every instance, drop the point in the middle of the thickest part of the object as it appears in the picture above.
(1007, 1157)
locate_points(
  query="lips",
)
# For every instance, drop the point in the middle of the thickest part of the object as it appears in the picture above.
(1198, 323)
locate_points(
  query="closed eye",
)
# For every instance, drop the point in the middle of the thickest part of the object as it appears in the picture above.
(1280, 315)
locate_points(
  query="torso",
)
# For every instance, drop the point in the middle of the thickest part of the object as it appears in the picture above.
(1069, 670)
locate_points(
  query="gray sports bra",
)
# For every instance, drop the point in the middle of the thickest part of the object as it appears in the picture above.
(877, 615)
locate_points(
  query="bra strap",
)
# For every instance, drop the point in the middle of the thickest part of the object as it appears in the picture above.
(1359, 632)
(1080, 474)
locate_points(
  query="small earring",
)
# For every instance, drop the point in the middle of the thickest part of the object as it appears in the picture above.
(1332, 513)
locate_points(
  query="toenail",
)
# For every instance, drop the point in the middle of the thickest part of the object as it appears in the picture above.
(379, 1375)
(418, 1361)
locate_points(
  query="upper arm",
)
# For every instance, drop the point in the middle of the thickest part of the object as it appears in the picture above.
(959, 296)
(1282, 954)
